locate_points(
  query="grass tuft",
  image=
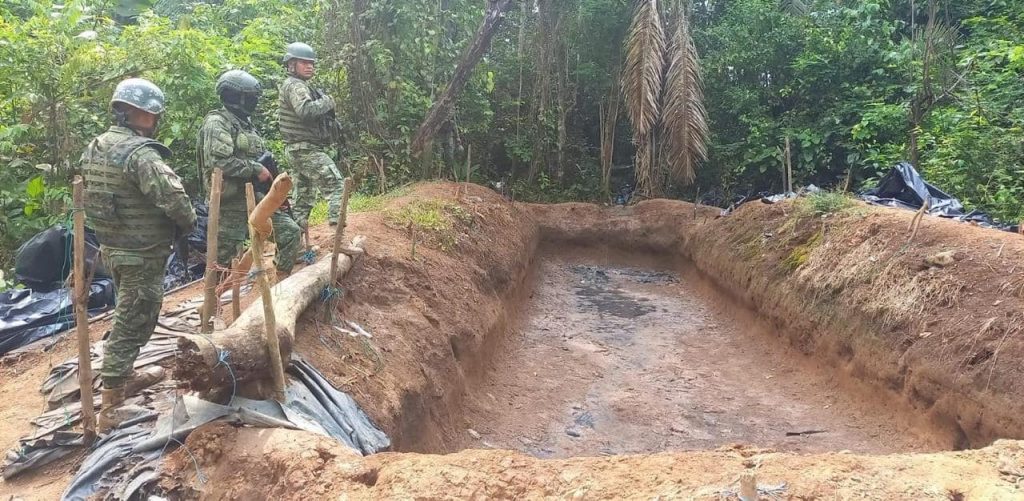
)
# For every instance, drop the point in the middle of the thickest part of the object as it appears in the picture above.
(437, 220)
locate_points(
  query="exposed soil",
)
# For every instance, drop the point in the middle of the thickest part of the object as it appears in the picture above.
(849, 290)
(20, 379)
(622, 353)
(861, 336)
(287, 465)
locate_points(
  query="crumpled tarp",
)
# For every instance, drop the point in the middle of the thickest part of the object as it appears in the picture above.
(124, 464)
(27, 315)
(183, 269)
(903, 187)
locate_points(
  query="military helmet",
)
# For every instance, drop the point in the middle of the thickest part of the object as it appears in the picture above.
(239, 91)
(139, 93)
(299, 50)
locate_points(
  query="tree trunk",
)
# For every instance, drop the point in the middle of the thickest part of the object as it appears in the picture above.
(239, 354)
(361, 74)
(442, 108)
(609, 115)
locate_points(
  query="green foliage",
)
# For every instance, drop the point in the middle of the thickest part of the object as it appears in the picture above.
(838, 78)
(360, 202)
(318, 215)
(61, 62)
(5, 282)
(825, 203)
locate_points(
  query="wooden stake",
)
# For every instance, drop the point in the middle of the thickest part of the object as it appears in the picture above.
(234, 278)
(270, 322)
(210, 298)
(339, 231)
(81, 299)
(789, 168)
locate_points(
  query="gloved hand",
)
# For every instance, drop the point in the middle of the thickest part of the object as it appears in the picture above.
(267, 160)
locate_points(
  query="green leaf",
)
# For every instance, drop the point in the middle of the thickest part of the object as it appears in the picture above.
(35, 188)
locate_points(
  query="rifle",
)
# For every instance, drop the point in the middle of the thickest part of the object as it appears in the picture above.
(182, 249)
(330, 126)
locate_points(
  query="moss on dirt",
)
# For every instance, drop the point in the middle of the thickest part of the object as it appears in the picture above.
(439, 220)
(802, 253)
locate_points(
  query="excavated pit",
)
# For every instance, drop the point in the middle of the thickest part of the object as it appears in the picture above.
(574, 331)
(613, 352)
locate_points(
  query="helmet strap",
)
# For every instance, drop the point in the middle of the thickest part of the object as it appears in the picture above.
(121, 117)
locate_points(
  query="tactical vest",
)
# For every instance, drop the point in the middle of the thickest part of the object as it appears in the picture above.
(248, 145)
(124, 218)
(294, 129)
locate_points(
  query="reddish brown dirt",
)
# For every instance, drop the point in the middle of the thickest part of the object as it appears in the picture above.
(622, 353)
(288, 465)
(434, 318)
(941, 352)
(943, 340)
(22, 402)
(419, 389)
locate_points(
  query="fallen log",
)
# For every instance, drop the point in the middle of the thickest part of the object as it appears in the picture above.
(238, 354)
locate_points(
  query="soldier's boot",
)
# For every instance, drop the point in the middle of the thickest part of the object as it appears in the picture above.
(112, 400)
(140, 380)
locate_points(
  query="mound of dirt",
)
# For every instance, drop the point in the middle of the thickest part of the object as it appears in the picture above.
(929, 327)
(285, 464)
(434, 298)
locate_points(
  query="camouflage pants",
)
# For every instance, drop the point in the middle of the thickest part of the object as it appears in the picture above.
(234, 232)
(313, 171)
(138, 280)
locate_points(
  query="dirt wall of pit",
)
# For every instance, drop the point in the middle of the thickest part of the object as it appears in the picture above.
(845, 289)
(932, 324)
(245, 463)
(435, 313)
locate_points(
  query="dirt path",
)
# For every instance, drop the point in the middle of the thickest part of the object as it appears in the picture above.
(617, 356)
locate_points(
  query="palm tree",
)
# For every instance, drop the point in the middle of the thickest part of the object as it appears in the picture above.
(663, 92)
(642, 79)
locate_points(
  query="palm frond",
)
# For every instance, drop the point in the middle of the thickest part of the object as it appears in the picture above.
(684, 119)
(795, 7)
(642, 73)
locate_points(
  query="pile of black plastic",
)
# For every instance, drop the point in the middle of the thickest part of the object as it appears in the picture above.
(41, 307)
(903, 187)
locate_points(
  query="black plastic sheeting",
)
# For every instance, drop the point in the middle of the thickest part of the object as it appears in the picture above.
(27, 316)
(43, 308)
(188, 263)
(44, 261)
(124, 464)
(903, 187)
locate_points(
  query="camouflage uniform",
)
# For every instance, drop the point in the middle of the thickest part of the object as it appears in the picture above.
(135, 202)
(231, 144)
(303, 118)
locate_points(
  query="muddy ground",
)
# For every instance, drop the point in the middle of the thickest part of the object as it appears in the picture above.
(619, 353)
(681, 331)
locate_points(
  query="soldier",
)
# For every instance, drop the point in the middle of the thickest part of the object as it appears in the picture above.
(136, 203)
(228, 141)
(308, 127)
